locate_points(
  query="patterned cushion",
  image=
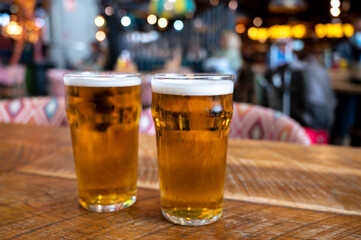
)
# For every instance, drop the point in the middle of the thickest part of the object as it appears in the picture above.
(12, 75)
(146, 124)
(256, 122)
(44, 111)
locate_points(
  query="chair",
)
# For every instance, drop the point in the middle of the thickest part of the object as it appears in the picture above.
(41, 111)
(256, 122)
(12, 81)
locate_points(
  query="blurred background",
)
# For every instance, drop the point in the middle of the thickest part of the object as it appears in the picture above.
(299, 57)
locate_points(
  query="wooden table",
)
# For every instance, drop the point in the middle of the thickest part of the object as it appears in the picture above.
(273, 191)
(340, 82)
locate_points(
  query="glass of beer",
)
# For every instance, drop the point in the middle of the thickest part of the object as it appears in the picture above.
(103, 112)
(192, 115)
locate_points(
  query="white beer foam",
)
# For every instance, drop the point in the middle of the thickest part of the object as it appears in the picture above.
(192, 87)
(101, 81)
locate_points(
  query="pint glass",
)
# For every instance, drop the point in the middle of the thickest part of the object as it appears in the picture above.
(192, 116)
(103, 112)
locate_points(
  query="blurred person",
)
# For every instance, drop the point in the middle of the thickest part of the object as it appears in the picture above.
(95, 61)
(319, 100)
(311, 99)
(228, 59)
(196, 52)
(348, 111)
(280, 53)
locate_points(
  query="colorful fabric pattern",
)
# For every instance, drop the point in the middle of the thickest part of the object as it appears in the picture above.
(41, 111)
(256, 122)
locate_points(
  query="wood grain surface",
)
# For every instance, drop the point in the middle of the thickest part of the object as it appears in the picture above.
(273, 191)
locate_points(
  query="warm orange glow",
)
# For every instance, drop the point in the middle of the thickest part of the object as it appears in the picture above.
(14, 29)
(99, 21)
(152, 19)
(321, 30)
(334, 30)
(162, 23)
(262, 34)
(29, 25)
(240, 28)
(253, 33)
(33, 37)
(348, 30)
(100, 36)
(299, 31)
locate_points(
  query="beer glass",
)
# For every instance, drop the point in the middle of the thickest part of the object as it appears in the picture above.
(192, 115)
(103, 112)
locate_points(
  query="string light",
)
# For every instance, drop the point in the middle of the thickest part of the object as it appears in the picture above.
(335, 3)
(162, 22)
(299, 31)
(99, 21)
(100, 36)
(125, 21)
(151, 19)
(14, 29)
(178, 25)
(335, 12)
(240, 28)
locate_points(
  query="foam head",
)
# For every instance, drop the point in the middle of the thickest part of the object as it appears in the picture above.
(101, 79)
(194, 85)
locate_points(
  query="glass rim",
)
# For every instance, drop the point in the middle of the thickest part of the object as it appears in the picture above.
(101, 79)
(90, 74)
(192, 76)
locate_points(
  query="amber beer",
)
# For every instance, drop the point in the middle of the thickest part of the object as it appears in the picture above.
(192, 116)
(103, 113)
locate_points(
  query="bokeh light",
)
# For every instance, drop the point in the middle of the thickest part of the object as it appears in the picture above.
(4, 19)
(240, 28)
(335, 3)
(151, 19)
(162, 22)
(39, 22)
(14, 8)
(233, 4)
(99, 21)
(335, 12)
(257, 21)
(178, 25)
(299, 31)
(109, 10)
(125, 21)
(14, 29)
(100, 36)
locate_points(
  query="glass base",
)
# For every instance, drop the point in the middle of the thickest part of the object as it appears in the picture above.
(190, 222)
(107, 208)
